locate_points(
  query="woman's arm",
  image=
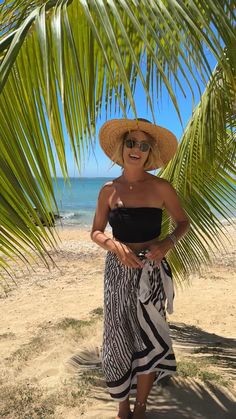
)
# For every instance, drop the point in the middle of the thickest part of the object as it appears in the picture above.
(125, 255)
(100, 220)
(173, 206)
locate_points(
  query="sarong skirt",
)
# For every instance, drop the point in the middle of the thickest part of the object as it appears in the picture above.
(136, 338)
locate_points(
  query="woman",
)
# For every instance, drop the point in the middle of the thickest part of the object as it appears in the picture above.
(137, 349)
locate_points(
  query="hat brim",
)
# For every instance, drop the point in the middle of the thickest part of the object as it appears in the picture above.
(113, 131)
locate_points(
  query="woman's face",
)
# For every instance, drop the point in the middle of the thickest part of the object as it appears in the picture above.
(136, 148)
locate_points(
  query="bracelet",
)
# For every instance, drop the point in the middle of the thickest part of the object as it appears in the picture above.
(173, 238)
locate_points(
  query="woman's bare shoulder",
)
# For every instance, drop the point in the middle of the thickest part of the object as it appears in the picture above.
(111, 182)
(107, 189)
(161, 182)
(108, 184)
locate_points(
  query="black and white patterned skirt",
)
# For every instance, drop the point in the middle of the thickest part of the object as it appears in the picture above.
(136, 337)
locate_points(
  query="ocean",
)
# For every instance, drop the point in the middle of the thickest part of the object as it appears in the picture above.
(77, 201)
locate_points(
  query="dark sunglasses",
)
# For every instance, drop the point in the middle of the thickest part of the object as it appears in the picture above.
(143, 146)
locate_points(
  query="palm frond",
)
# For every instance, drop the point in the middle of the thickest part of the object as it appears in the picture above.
(65, 63)
(204, 174)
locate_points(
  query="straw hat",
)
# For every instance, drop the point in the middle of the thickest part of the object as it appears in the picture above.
(113, 131)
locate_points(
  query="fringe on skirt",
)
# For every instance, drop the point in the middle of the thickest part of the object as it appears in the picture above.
(136, 338)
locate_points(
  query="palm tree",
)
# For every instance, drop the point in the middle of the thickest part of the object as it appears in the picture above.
(69, 62)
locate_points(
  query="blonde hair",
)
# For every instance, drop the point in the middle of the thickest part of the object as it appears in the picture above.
(117, 156)
(153, 156)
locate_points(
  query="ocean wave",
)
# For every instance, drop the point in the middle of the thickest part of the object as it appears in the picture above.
(68, 215)
(82, 217)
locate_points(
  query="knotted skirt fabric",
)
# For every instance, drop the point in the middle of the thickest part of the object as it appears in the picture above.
(136, 337)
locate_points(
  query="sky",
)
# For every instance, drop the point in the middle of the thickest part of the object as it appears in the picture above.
(96, 164)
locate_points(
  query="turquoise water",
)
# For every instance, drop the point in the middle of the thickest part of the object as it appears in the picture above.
(77, 201)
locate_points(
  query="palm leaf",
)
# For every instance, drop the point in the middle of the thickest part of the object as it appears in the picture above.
(204, 175)
(65, 63)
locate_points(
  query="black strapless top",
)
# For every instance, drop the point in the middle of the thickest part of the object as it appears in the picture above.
(135, 225)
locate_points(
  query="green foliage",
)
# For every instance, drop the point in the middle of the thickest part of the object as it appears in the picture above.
(69, 61)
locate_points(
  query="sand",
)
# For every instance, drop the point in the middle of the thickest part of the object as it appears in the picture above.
(50, 315)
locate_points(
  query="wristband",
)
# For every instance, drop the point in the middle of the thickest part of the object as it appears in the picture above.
(173, 238)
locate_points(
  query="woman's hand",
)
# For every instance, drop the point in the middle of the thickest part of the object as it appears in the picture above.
(127, 256)
(158, 250)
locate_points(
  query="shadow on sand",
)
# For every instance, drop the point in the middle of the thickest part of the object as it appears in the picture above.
(191, 399)
(216, 349)
(181, 399)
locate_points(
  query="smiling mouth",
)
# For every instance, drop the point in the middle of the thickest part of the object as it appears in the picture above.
(134, 157)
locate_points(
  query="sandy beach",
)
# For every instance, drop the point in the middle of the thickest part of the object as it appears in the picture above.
(51, 315)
